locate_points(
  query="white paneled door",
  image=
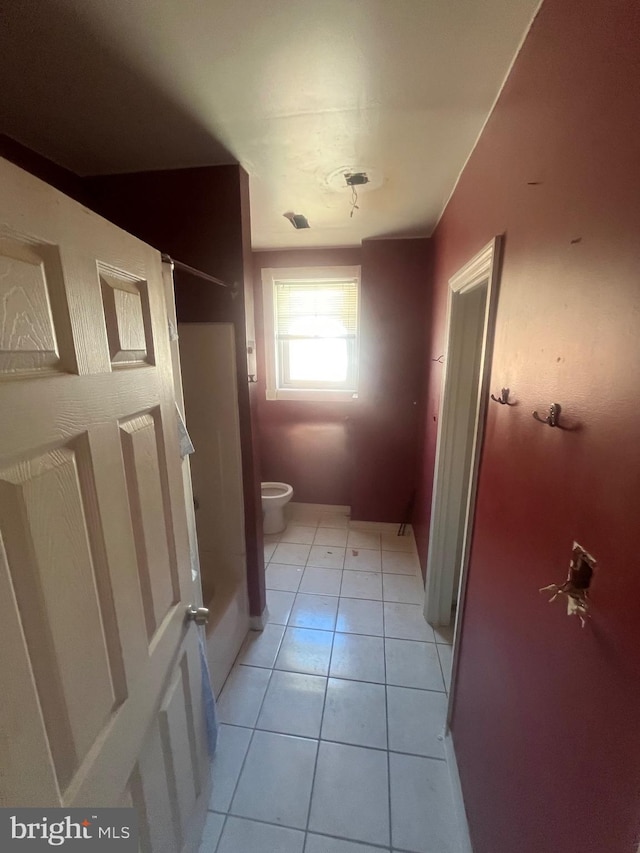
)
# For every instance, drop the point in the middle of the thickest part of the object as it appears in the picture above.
(100, 682)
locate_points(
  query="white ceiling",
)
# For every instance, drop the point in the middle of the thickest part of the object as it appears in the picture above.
(292, 89)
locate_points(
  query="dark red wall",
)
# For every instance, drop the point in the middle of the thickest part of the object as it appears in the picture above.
(57, 176)
(395, 291)
(307, 445)
(361, 453)
(201, 217)
(546, 715)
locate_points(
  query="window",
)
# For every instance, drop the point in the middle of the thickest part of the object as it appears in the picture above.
(311, 331)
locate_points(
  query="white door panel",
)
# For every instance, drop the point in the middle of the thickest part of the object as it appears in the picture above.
(100, 674)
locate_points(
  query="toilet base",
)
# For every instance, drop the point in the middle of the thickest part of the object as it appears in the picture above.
(273, 520)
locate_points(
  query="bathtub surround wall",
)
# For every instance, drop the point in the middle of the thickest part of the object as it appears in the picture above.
(209, 377)
(546, 713)
(360, 453)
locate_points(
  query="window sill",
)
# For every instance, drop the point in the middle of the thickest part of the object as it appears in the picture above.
(309, 395)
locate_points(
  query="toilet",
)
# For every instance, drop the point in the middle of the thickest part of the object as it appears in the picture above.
(275, 496)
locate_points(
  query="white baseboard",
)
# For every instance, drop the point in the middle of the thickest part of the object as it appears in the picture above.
(458, 799)
(257, 623)
(299, 512)
(295, 506)
(380, 526)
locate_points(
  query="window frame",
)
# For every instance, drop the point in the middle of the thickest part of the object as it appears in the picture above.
(315, 393)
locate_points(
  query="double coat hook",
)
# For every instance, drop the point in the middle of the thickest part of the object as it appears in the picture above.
(553, 418)
(503, 399)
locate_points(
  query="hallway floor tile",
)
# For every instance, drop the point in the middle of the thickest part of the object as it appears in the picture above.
(332, 719)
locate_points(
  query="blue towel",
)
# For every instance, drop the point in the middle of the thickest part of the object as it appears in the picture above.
(210, 715)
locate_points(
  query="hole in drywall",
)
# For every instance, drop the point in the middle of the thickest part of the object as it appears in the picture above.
(356, 179)
(577, 585)
(365, 178)
(581, 568)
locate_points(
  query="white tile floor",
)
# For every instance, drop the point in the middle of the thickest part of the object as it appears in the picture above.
(332, 718)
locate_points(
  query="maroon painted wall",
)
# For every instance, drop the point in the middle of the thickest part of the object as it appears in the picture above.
(57, 176)
(546, 715)
(360, 453)
(307, 445)
(201, 217)
(395, 291)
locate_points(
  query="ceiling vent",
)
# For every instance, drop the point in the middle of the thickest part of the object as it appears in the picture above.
(297, 219)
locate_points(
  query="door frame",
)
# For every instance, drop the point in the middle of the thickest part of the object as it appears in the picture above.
(447, 525)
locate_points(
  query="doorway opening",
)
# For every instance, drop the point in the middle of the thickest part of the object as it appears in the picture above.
(470, 320)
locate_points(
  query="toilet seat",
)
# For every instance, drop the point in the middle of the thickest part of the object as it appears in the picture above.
(275, 490)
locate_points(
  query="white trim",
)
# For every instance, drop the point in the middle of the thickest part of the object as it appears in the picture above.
(489, 114)
(258, 623)
(314, 395)
(333, 509)
(319, 273)
(475, 272)
(382, 527)
(458, 799)
(453, 466)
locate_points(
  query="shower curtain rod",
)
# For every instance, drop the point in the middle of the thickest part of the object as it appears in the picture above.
(198, 273)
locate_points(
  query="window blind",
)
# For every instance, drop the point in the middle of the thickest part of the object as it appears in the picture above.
(316, 309)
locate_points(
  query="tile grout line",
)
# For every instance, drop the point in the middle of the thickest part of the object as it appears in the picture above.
(339, 677)
(315, 766)
(350, 598)
(308, 565)
(386, 707)
(341, 742)
(380, 574)
(373, 844)
(415, 573)
(334, 631)
(253, 731)
(348, 634)
(319, 740)
(224, 824)
(447, 686)
(384, 848)
(244, 760)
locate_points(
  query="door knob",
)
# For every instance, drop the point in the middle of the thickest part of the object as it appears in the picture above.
(199, 615)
